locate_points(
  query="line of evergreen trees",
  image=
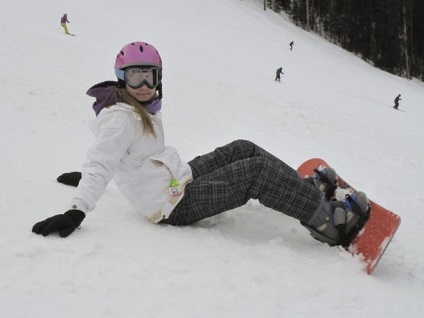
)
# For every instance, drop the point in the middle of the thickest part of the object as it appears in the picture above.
(386, 33)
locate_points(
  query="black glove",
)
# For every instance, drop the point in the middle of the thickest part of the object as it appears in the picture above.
(70, 178)
(65, 223)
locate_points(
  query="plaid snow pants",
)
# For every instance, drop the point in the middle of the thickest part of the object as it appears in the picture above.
(229, 176)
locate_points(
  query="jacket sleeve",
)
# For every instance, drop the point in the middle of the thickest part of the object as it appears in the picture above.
(114, 133)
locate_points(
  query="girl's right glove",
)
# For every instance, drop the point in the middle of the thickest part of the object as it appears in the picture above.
(65, 223)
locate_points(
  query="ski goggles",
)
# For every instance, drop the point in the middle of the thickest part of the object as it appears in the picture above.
(137, 76)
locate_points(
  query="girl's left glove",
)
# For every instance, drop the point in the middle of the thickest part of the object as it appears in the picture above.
(65, 223)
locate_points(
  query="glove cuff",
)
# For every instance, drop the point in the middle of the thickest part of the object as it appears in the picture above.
(77, 215)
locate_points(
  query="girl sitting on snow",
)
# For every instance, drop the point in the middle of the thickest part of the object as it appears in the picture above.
(129, 147)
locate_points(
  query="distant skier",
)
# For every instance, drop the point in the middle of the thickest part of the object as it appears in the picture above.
(397, 99)
(278, 73)
(291, 45)
(63, 21)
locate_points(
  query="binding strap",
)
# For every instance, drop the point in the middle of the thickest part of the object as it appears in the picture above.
(354, 206)
(346, 239)
(331, 189)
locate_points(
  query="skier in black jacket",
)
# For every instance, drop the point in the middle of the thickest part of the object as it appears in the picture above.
(278, 73)
(397, 99)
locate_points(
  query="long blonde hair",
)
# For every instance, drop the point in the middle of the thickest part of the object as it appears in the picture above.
(123, 96)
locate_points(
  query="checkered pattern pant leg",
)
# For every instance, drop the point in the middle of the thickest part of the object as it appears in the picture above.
(233, 174)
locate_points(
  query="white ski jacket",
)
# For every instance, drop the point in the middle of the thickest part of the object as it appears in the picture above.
(142, 167)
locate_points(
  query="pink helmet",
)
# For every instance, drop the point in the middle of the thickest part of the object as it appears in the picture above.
(138, 53)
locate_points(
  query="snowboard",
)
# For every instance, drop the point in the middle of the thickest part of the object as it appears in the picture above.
(377, 233)
(401, 110)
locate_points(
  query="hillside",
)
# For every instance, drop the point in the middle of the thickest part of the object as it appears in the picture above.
(220, 58)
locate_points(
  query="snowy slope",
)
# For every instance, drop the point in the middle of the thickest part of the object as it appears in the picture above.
(220, 58)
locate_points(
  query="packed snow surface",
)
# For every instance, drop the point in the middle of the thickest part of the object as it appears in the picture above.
(220, 58)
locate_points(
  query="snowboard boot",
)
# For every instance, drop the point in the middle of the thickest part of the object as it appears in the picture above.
(338, 222)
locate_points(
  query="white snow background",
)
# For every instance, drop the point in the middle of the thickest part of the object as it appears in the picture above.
(220, 58)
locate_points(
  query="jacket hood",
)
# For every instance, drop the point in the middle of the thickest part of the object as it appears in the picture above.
(104, 93)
